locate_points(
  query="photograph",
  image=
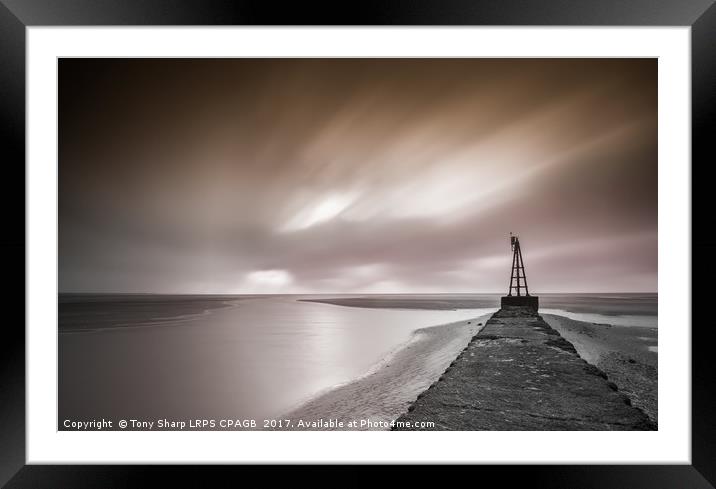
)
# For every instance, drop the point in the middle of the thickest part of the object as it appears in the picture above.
(357, 244)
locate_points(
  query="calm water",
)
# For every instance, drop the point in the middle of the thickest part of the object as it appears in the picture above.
(640, 310)
(122, 357)
(184, 357)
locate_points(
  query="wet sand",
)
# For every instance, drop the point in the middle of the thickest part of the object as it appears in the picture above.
(518, 373)
(434, 303)
(386, 391)
(628, 355)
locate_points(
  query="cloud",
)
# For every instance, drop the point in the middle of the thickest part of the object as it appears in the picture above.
(266, 282)
(264, 176)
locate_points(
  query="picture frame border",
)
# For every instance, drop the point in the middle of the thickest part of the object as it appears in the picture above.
(699, 15)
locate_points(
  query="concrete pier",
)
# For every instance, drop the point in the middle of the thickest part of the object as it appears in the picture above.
(528, 301)
(518, 373)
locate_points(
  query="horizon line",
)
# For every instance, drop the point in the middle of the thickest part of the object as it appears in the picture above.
(342, 293)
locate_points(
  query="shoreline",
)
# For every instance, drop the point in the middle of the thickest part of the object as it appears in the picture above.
(408, 303)
(386, 390)
(626, 356)
(518, 373)
(335, 402)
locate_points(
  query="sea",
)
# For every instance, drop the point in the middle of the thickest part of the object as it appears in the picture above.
(261, 361)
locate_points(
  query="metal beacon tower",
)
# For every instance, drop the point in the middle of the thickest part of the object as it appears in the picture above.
(518, 281)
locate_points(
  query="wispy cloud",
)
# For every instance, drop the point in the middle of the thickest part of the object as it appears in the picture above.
(356, 175)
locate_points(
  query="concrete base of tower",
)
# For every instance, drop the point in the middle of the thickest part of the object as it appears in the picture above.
(529, 301)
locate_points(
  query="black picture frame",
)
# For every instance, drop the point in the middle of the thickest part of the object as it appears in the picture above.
(16, 15)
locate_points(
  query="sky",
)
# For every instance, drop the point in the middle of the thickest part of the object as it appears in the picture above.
(356, 175)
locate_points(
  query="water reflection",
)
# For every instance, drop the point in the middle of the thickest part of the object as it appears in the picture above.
(253, 360)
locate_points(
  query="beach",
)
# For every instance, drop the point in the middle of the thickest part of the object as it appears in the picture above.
(152, 357)
(325, 361)
(519, 373)
(382, 394)
(628, 355)
(626, 352)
